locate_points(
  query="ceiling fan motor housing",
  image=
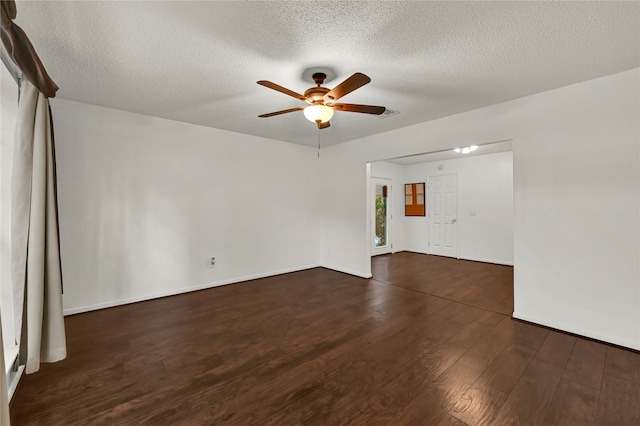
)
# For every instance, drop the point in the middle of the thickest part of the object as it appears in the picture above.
(316, 94)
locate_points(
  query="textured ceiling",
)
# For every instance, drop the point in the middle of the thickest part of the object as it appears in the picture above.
(198, 62)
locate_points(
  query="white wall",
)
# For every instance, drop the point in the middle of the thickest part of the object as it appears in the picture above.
(577, 212)
(576, 200)
(485, 186)
(145, 202)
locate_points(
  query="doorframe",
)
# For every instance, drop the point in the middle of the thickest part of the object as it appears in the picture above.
(428, 194)
(371, 182)
(371, 198)
(366, 241)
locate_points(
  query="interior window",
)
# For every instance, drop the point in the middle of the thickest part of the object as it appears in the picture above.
(8, 112)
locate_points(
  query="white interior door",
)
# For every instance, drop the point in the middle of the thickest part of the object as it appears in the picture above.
(442, 192)
(380, 216)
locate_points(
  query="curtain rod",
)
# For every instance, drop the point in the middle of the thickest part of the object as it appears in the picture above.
(22, 53)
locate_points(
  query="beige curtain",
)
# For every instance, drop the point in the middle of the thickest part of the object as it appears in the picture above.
(35, 253)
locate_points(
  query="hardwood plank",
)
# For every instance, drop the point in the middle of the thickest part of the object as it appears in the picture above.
(406, 375)
(296, 381)
(481, 355)
(586, 364)
(623, 364)
(619, 402)
(220, 388)
(530, 398)
(530, 336)
(556, 348)
(467, 281)
(479, 406)
(574, 404)
(364, 375)
(449, 420)
(425, 342)
(481, 403)
(433, 403)
(491, 318)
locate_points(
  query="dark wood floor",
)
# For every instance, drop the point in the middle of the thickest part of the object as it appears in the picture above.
(428, 341)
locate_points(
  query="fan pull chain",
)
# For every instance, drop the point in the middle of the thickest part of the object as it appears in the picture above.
(318, 143)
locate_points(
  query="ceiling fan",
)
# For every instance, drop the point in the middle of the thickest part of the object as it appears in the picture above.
(322, 101)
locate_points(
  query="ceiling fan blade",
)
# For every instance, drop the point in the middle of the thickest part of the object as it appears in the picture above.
(349, 85)
(284, 111)
(284, 90)
(366, 109)
(323, 125)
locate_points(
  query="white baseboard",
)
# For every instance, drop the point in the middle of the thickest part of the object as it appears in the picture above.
(474, 259)
(348, 271)
(480, 259)
(577, 329)
(13, 377)
(12, 381)
(173, 292)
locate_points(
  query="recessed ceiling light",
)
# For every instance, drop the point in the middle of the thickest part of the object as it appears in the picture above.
(466, 149)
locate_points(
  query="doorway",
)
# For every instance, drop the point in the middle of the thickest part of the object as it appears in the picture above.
(442, 194)
(381, 216)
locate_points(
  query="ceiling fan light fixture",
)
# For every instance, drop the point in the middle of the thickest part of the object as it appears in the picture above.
(321, 100)
(321, 113)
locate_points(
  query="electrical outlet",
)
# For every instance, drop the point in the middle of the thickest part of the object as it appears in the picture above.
(212, 262)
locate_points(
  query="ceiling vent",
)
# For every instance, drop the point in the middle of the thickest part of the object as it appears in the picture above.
(388, 113)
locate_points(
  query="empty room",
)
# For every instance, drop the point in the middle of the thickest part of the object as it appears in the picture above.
(320, 213)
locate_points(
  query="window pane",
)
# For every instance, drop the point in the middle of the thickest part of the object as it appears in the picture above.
(381, 216)
(8, 112)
